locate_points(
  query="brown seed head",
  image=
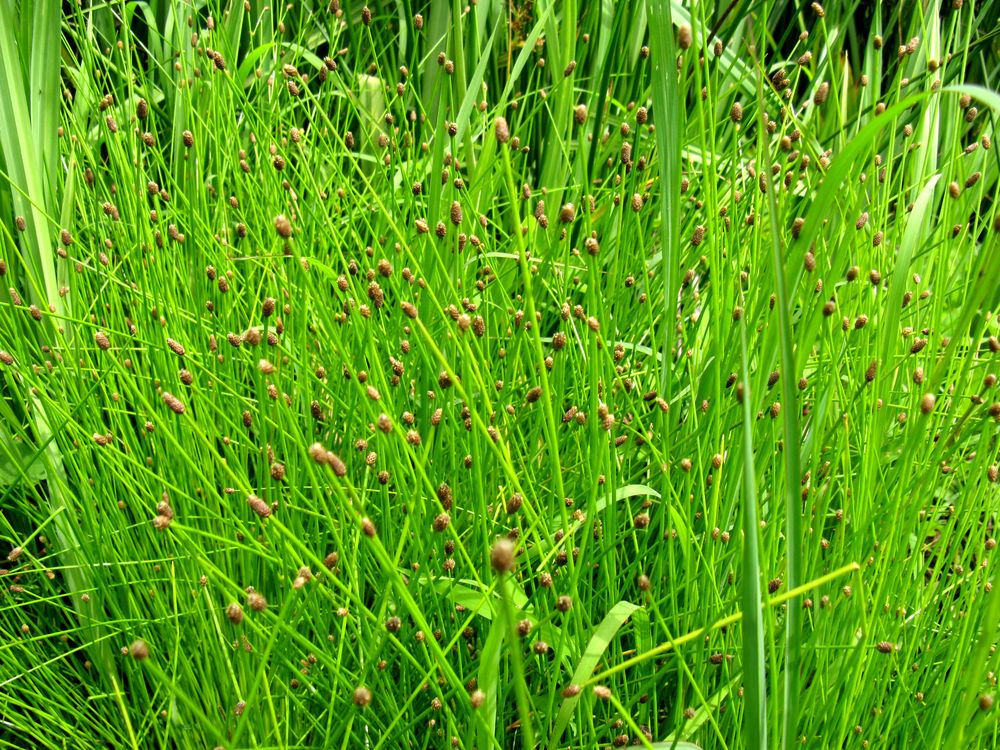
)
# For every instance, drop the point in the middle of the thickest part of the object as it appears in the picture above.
(571, 691)
(502, 555)
(684, 37)
(821, 93)
(871, 371)
(162, 521)
(259, 506)
(336, 463)
(175, 404)
(283, 226)
(501, 129)
(927, 403)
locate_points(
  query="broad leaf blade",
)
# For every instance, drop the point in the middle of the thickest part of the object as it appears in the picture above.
(596, 646)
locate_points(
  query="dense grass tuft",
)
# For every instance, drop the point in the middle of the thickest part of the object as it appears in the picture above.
(504, 375)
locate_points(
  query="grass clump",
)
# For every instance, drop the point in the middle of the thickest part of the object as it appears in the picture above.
(503, 375)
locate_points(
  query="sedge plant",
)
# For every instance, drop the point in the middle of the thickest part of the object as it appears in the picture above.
(551, 374)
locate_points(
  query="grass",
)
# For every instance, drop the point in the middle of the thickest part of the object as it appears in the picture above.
(313, 308)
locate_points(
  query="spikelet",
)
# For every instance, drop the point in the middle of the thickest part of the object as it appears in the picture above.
(258, 506)
(501, 129)
(283, 226)
(173, 402)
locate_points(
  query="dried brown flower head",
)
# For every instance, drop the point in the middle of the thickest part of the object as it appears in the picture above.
(502, 555)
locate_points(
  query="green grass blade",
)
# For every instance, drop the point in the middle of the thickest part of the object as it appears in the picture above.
(489, 681)
(598, 643)
(791, 454)
(45, 95)
(754, 662)
(27, 181)
(668, 112)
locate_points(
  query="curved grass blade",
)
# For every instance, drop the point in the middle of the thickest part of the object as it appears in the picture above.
(700, 717)
(489, 679)
(596, 646)
(912, 236)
